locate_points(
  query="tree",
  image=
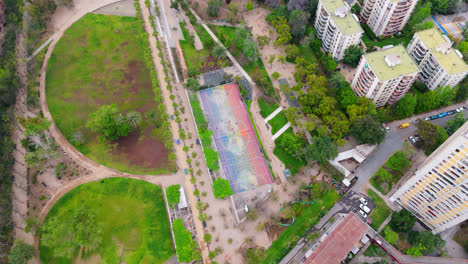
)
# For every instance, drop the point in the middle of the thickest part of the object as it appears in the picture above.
(108, 122)
(283, 30)
(390, 236)
(419, 15)
(321, 150)
(415, 251)
(133, 119)
(432, 135)
(219, 52)
(249, 6)
(207, 237)
(443, 6)
(221, 188)
(233, 16)
(383, 175)
(271, 59)
(21, 253)
(367, 129)
(352, 55)
(402, 221)
(173, 194)
(290, 143)
(213, 7)
(192, 84)
(298, 21)
(430, 241)
(454, 124)
(398, 162)
(405, 106)
(292, 52)
(186, 247)
(263, 41)
(66, 232)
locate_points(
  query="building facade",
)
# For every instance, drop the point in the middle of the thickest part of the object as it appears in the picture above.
(437, 194)
(387, 17)
(337, 27)
(440, 64)
(385, 76)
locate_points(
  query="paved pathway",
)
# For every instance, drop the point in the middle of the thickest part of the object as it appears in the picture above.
(281, 131)
(268, 118)
(390, 204)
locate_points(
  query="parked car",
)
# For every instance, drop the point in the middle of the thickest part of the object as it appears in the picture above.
(387, 129)
(412, 139)
(362, 213)
(434, 117)
(427, 118)
(451, 112)
(363, 200)
(364, 208)
(459, 109)
(442, 114)
(404, 125)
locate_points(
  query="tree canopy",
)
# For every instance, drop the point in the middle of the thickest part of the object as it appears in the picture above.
(21, 253)
(66, 232)
(352, 55)
(430, 241)
(432, 135)
(405, 106)
(213, 7)
(110, 123)
(454, 124)
(367, 129)
(402, 221)
(321, 150)
(186, 247)
(298, 21)
(173, 194)
(221, 188)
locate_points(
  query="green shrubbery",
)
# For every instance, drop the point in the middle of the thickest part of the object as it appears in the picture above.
(221, 188)
(391, 172)
(186, 248)
(173, 195)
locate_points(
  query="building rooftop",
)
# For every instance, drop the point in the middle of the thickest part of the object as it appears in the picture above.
(343, 20)
(339, 242)
(450, 61)
(377, 60)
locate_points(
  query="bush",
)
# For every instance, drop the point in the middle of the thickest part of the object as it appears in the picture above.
(213, 7)
(21, 253)
(249, 6)
(402, 221)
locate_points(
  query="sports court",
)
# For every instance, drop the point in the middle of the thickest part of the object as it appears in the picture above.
(241, 158)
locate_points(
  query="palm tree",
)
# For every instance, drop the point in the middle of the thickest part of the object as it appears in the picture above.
(219, 52)
(133, 119)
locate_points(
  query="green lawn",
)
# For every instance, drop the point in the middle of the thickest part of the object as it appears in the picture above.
(309, 217)
(389, 41)
(256, 70)
(278, 122)
(134, 217)
(292, 163)
(394, 168)
(100, 61)
(308, 53)
(381, 211)
(266, 108)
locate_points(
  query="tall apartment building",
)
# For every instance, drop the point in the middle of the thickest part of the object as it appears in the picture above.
(387, 17)
(337, 27)
(385, 76)
(437, 194)
(440, 64)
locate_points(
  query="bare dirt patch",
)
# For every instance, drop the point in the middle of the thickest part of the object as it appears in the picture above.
(142, 150)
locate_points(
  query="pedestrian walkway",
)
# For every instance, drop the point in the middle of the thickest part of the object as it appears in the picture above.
(268, 118)
(387, 201)
(281, 131)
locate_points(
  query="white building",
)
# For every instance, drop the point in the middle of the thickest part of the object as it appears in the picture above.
(437, 194)
(440, 64)
(387, 17)
(385, 76)
(337, 27)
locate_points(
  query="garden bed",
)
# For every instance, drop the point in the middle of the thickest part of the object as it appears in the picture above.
(391, 172)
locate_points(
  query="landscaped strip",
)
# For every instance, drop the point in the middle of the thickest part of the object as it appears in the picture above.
(309, 217)
(381, 211)
(391, 172)
(266, 107)
(185, 246)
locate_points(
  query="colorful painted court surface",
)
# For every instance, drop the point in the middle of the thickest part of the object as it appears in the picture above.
(241, 157)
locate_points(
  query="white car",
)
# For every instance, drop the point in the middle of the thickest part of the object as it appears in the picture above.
(363, 200)
(364, 208)
(427, 118)
(362, 214)
(459, 109)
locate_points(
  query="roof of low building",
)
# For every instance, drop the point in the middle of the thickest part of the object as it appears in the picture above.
(450, 61)
(339, 242)
(347, 25)
(384, 72)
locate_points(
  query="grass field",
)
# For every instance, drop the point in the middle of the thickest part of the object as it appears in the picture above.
(278, 122)
(309, 217)
(266, 108)
(389, 41)
(256, 69)
(99, 61)
(381, 211)
(134, 217)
